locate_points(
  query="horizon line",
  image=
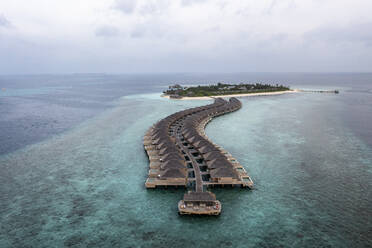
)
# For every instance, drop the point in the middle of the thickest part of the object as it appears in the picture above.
(170, 73)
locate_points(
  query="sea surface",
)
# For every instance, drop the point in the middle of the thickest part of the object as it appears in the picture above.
(72, 164)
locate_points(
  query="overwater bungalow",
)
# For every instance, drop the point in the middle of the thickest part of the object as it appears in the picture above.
(173, 175)
(223, 175)
(199, 203)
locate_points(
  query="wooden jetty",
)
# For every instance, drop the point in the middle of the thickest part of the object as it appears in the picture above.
(180, 154)
(320, 91)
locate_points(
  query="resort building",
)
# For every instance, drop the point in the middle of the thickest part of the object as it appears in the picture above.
(180, 154)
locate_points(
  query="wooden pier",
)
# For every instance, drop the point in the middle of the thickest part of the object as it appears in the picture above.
(180, 154)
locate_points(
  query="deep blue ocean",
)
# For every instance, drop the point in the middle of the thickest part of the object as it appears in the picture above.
(73, 166)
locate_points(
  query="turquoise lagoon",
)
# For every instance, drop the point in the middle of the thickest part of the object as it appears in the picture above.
(84, 187)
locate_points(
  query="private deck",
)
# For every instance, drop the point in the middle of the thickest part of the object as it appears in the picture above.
(180, 154)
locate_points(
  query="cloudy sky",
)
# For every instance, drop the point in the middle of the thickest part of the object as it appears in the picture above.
(130, 36)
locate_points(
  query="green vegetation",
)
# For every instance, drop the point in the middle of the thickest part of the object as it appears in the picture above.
(178, 91)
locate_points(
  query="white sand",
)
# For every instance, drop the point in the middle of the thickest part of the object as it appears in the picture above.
(234, 95)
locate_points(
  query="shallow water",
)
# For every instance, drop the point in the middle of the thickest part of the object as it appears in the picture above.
(84, 187)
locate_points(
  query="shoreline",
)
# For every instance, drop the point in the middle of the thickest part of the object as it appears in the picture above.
(233, 95)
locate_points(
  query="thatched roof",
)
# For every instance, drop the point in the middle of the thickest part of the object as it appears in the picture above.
(213, 155)
(165, 143)
(190, 133)
(219, 163)
(173, 164)
(158, 135)
(192, 139)
(207, 148)
(172, 155)
(199, 197)
(168, 149)
(201, 142)
(173, 173)
(223, 172)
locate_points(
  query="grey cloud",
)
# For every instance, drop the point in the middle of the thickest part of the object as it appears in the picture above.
(4, 22)
(107, 31)
(154, 7)
(125, 6)
(279, 37)
(289, 5)
(359, 32)
(148, 9)
(273, 41)
(151, 29)
(138, 32)
(191, 2)
(271, 7)
(213, 29)
(151, 36)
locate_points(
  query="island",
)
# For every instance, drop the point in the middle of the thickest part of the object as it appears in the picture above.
(222, 89)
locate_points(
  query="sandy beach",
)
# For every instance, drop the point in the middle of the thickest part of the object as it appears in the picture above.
(234, 95)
